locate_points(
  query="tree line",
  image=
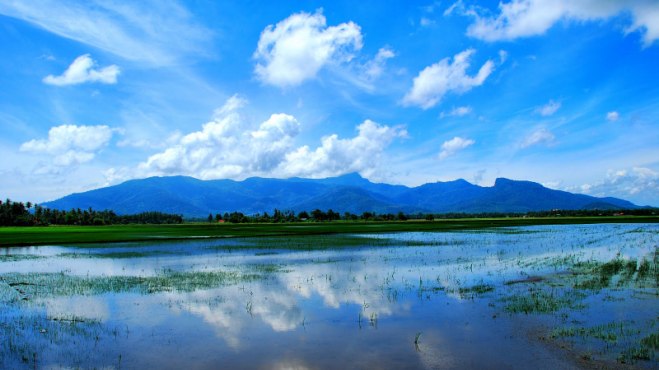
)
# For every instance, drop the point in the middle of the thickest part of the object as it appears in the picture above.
(27, 214)
(316, 215)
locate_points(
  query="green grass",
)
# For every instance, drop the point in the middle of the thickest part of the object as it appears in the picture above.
(116, 255)
(599, 275)
(39, 285)
(542, 301)
(476, 289)
(609, 333)
(21, 236)
(18, 257)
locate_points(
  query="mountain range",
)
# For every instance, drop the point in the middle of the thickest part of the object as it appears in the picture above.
(349, 193)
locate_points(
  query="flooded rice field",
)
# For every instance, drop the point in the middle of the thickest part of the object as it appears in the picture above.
(576, 296)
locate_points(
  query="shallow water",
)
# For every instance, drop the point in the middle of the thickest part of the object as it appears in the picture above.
(418, 300)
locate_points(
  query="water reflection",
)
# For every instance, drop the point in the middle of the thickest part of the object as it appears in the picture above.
(335, 308)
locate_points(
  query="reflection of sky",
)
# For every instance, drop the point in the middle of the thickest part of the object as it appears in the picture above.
(321, 289)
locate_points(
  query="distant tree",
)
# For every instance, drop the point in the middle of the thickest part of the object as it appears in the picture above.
(401, 216)
(210, 217)
(277, 216)
(289, 216)
(218, 217)
(318, 215)
(430, 217)
(303, 215)
(331, 215)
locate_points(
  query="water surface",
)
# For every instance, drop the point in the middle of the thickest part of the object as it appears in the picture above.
(402, 300)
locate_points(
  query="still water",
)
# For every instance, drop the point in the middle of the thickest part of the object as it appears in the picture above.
(403, 300)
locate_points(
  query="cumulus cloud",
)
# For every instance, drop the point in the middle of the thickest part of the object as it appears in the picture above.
(443, 77)
(549, 108)
(453, 146)
(457, 112)
(539, 136)
(227, 147)
(295, 49)
(337, 156)
(612, 116)
(525, 18)
(70, 144)
(639, 182)
(82, 70)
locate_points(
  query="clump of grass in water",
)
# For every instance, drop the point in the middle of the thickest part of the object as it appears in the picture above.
(18, 257)
(651, 341)
(477, 289)
(540, 301)
(116, 255)
(600, 275)
(631, 355)
(609, 333)
(269, 268)
(61, 284)
(70, 318)
(473, 291)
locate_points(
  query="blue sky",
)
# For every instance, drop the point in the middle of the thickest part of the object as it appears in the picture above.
(565, 93)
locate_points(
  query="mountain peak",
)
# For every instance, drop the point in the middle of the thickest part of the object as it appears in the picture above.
(350, 179)
(347, 193)
(504, 182)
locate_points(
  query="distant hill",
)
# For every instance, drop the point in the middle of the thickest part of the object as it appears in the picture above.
(349, 193)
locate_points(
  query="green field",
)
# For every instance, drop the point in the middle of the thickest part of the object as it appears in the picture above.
(22, 236)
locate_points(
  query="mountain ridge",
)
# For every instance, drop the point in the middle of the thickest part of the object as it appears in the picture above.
(193, 197)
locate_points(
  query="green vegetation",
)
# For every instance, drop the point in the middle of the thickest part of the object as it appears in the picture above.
(39, 285)
(19, 214)
(596, 275)
(476, 289)
(18, 236)
(609, 333)
(542, 301)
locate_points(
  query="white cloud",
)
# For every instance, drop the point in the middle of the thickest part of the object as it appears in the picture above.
(295, 49)
(453, 146)
(638, 182)
(81, 71)
(457, 112)
(158, 32)
(336, 156)
(70, 144)
(549, 108)
(374, 68)
(227, 148)
(525, 18)
(503, 56)
(539, 136)
(435, 81)
(612, 116)
(426, 22)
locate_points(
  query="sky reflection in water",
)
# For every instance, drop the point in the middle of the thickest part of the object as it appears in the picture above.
(335, 308)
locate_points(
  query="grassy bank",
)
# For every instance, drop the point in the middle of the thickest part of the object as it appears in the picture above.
(22, 236)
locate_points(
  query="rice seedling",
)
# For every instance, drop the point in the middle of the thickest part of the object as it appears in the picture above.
(18, 257)
(651, 341)
(61, 284)
(537, 300)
